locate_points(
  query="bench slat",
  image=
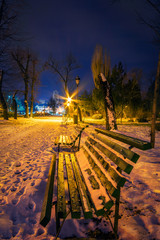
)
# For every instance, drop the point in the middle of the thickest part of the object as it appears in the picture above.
(61, 139)
(82, 190)
(56, 141)
(101, 176)
(68, 140)
(126, 167)
(75, 208)
(143, 145)
(96, 195)
(120, 180)
(47, 202)
(64, 139)
(118, 148)
(61, 201)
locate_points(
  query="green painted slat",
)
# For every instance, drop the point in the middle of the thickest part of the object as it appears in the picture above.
(47, 202)
(61, 201)
(101, 176)
(122, 164)
(112, 172)
(100, 199)
(135, 142)
(75, 207)
(118, 148)
(82, 190)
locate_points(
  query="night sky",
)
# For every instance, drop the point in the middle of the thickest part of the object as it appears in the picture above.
(58, 27)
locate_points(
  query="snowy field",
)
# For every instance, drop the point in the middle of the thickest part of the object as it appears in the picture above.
(26, 148)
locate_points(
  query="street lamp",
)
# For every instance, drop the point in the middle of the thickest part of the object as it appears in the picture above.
(77, 83)
(77, 80)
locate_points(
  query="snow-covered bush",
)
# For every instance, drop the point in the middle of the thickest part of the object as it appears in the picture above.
(97, 116)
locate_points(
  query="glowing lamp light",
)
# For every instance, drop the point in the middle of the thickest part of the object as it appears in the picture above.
(69, 100)
(77, 80)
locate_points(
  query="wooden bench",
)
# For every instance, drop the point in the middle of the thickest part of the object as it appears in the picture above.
(95, 176)
(69, 141)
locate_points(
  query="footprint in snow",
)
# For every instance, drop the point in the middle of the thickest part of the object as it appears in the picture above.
(17, 180)
(20, 192)
(33, 183)
(2, 201)
(31, 206)
(17, 172)
(13, 189)
(40, 231)
(25, 178)
(15, 201)
(6, 181)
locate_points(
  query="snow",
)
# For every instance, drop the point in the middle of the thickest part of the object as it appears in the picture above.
(26, 148)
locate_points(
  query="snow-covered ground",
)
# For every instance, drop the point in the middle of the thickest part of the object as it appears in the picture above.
(26, 148)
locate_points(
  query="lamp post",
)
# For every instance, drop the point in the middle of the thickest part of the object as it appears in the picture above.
(77, 83)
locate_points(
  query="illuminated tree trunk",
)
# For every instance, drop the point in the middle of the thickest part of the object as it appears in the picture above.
(2, 99)
(108, 103)
(26, 99)
(32, 88)
(80, 114)
(156, 90)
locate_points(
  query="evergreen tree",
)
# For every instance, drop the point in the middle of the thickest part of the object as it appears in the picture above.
(118, 81)
(101, 70)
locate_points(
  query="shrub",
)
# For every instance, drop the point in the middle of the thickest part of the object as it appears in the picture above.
(97, 116)
(130, 120)
(142, 120)
(157, 126)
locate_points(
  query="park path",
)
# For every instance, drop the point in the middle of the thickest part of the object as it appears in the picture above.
(26, 140)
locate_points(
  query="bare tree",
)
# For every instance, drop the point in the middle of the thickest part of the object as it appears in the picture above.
(150, 17)
(156, 89)
(23, 59)
(152, 22)
(2, 99)
(7, 22)
(63, 69)
(35, 73)
(7, 33)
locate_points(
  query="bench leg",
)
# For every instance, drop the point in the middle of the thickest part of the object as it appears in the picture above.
(58, 225)
(57, 220)
(79, 142)
(58, 147)
(117, 212)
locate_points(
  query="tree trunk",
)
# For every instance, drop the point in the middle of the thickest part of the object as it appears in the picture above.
(26, 98)
(2, 99)
(15, 108)
(32, 89)
(80, 114)
(14, 105)
(31, 110)
(108, 104)
(156, 89)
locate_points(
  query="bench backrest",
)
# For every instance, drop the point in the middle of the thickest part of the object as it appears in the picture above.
(109, 160)
(78, 132)
(133, 142)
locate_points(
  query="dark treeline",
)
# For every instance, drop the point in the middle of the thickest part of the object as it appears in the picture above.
(130, 99)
